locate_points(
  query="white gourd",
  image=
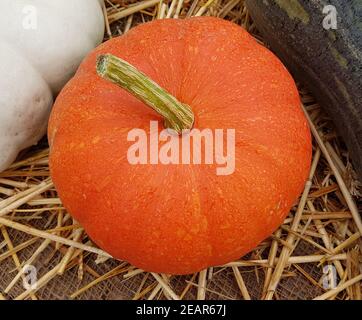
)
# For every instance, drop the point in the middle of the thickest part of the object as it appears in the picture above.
(42, 42)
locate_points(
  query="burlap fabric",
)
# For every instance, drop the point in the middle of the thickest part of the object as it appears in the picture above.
(221, 286)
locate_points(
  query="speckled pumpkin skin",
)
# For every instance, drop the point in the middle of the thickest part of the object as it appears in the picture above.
(180, 219)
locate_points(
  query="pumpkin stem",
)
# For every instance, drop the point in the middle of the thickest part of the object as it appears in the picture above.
(178, 116)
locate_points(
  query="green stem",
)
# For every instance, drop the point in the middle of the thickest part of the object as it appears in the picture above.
(178, 116)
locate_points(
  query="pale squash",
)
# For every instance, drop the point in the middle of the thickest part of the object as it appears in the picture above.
(41, 46)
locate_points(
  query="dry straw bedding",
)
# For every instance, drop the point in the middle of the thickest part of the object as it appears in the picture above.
(323, 228)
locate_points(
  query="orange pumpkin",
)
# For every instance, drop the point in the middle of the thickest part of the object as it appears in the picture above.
(179, 218)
